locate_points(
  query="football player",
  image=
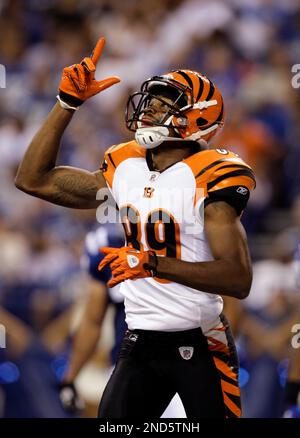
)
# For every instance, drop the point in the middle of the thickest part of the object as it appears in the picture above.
(100, 298)
(180, 204)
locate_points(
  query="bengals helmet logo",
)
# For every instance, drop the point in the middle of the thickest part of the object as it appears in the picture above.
(148, 192)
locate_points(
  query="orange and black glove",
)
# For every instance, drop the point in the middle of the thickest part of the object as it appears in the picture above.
(78, 81)
(127, 263)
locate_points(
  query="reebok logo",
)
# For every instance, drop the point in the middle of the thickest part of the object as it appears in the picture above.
(242, 190)
(132, 261)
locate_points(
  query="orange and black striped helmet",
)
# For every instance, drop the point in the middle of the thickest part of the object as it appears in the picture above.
(197, 112)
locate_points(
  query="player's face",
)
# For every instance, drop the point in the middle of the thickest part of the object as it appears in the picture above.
(157, 111)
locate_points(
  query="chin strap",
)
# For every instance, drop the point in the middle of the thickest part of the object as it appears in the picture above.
(152, 137)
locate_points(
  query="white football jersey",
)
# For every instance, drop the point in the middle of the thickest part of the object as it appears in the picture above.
(162, 211)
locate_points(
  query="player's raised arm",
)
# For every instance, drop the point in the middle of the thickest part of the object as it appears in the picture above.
(38, 174)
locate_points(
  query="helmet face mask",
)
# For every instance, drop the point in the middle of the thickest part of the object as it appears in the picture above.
(157, 89)
(185, 101)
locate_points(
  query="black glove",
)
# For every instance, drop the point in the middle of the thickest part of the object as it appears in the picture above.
(70, 398)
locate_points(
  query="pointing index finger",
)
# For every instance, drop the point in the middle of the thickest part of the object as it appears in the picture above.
(98, 50)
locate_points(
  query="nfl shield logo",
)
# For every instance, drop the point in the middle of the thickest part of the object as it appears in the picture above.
(186, 352)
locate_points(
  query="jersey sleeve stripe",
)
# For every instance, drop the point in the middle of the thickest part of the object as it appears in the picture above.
(232, 182)
(223, 160)
(111, 160)
(230, 166)
(229, 175)
(108, 174)
(224, 170)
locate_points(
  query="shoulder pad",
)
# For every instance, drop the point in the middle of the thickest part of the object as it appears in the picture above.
(219, 168)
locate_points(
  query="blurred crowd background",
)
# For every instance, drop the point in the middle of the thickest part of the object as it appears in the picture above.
(248, 47)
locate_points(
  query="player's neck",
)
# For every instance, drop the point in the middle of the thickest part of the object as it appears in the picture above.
(170, 153)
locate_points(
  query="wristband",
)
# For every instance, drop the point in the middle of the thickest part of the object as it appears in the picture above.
(64, 105)
(152, 265)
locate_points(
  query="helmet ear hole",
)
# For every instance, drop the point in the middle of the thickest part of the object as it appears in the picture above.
(201, 122)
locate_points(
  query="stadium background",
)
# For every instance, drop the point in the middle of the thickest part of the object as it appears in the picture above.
(248, 47)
